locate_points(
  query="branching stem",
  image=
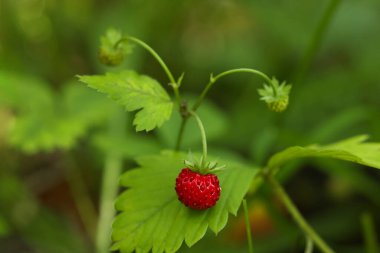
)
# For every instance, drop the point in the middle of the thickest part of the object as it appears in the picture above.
(173, 82)
(297, 216)
(212, 81)
(229, 72)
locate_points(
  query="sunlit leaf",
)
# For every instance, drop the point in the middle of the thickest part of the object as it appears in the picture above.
(354, 150)
(135, 92)
(152, 218)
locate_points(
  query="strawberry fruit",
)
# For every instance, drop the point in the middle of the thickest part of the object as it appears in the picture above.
(196, 190)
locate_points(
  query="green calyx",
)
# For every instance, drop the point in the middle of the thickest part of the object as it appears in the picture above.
(201, 166)
(276, 95)
(113, 48)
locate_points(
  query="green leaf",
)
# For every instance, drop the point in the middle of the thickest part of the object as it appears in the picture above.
(135, 92)
(55, 121)
(152, 218)
(353, 150)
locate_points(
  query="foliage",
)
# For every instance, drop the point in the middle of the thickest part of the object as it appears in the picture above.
(135, 92)
(49, 121)
(353, 149)
(151, 216)
(43, 45)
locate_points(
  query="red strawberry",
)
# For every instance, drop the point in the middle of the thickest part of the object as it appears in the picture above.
(197, 191)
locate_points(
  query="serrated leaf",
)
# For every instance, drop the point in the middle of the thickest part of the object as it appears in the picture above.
(354, 150)
(135, 92)
(152, 218)
(44, 120)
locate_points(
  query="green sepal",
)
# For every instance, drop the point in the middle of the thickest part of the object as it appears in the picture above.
(113, 48)
(276, 95)
(201, 165)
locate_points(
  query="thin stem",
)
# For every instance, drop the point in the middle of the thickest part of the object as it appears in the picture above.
(228, 72)
(180, 133)
(160, 61)
(369, 233)
(248, 227)
(82, 199)
(112, 170)
(316, 40)
(297, 216)
(309, 245)
(203, 134)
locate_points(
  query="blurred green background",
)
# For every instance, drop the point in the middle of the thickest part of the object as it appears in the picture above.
(53, 130)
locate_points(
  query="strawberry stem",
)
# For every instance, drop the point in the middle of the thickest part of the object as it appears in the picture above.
(213, 80)
(203, 135)
(248, 226)
(173, 83)
(297, 216)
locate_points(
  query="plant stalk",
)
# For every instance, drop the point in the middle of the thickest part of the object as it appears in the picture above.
(298, 218)
(228, 72)
(180, 133)
(161, 62)
(203, 135)
(82, 199)
(309, 245)
(208, 87)
(112, 170)
(248, 227)
(369, 233)
(316, 40)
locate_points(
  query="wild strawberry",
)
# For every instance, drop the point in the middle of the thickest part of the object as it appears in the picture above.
(276, 95)
(197, 191)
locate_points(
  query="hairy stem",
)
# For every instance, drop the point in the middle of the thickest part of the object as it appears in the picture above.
(369, 233)
(161, 62)
(248, 227)
(297, 216)
(229, 72)
(316, 40)
(203, 134)
(112, 170)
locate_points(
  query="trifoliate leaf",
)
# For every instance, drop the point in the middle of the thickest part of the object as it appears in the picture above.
(353, 150)
(135, 92)
(152, 217)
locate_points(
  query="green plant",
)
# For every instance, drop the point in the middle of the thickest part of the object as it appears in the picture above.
(151, 217)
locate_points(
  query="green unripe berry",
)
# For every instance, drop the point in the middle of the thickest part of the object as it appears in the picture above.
(110, 58)
(279, 105)
(113, 48)
(276, 96)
